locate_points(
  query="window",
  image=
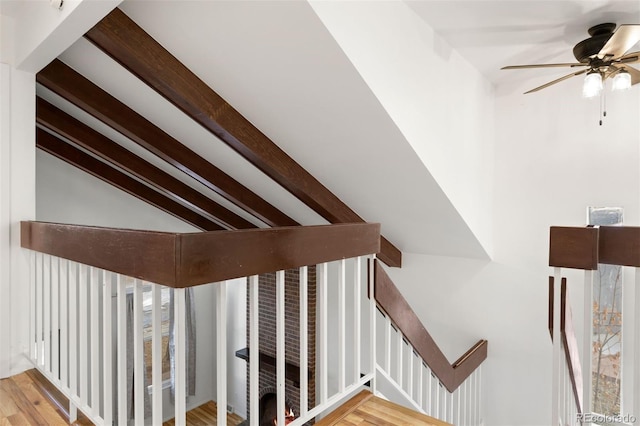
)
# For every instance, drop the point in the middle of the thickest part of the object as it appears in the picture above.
(148, 328)
(607, 325)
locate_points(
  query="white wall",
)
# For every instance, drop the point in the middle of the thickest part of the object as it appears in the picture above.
(552, 161)
(440, 103)
(32, 34)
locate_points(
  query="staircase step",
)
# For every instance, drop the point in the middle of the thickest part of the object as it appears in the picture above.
(367, 409)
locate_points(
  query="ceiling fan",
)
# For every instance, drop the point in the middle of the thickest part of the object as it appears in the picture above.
(601, 56)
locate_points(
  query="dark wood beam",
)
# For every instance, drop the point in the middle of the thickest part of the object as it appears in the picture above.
(62, 150)
(399, 311)
(72, 86)
(82, 135)
(189, 259)
(123, 40)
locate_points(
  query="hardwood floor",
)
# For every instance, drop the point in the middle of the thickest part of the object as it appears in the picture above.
(22, 403)
(28, 399)
(205, 415)
(365, 409)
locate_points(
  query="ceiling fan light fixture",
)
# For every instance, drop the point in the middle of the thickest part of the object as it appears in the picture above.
(592, 84)
(621, 81)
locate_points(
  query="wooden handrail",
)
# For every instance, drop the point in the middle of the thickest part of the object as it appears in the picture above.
(395, 305)
(584, 248)
(569, 340)
(189, 259)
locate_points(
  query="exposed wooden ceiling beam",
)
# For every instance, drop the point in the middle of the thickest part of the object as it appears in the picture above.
(62, 150)
(64, 81)
(82, 135)
(123, 40)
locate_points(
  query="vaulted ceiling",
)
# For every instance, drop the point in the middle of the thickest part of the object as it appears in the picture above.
(281, 69)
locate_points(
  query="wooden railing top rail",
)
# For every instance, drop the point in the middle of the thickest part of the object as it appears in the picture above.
(569, 340)
(584, 248)
(189, 259)
(396, 306)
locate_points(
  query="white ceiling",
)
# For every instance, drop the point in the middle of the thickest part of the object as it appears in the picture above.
(491, 34)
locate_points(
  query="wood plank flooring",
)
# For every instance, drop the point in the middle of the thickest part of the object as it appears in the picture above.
(24, 401)
(206, 415)
(365, 409)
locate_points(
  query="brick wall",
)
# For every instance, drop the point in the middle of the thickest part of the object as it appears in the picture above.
(267, 318)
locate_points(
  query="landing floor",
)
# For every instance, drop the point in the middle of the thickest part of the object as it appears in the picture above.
(365, 409)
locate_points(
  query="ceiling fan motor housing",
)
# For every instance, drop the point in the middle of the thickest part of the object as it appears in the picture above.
(590, 47)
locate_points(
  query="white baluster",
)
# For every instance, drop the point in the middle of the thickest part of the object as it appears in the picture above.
(73, 340)
(372, 315)
(179, 295)
(94, 288)
(156, 353)
(138, 356)
(429, 393)
(341, 325)
(55, 326)
(399, 353)
(254, 351)
(557, 341)
(221, 346)
(357, 332)
(636, 340)
(410, 372)
(33, 298)
(304, 341)
(420, 383)
(280, 349)
(46, 280)
(121, 302)
(107, 323)
(83, 304)
(387, 344)
(322, 330)
(39, 309)
(64, 323)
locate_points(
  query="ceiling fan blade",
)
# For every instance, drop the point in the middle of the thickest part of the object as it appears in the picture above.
(544, 86)
(519, 67)
(635, 74)
(630, 58)
(622, 40)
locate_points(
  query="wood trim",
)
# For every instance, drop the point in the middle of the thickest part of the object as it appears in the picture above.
(122, 39)
(396, 306)
(75, 157)
(184, 260)
(619, 245)
(573, 247)
(82, 135)
(569, 340)
(252, 252)
(584, 248)
(67, 83)
(146, 255)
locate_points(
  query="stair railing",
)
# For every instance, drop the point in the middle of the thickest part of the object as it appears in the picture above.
(414, 368)
(584, 249)
(79, 340)
(76, 270)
